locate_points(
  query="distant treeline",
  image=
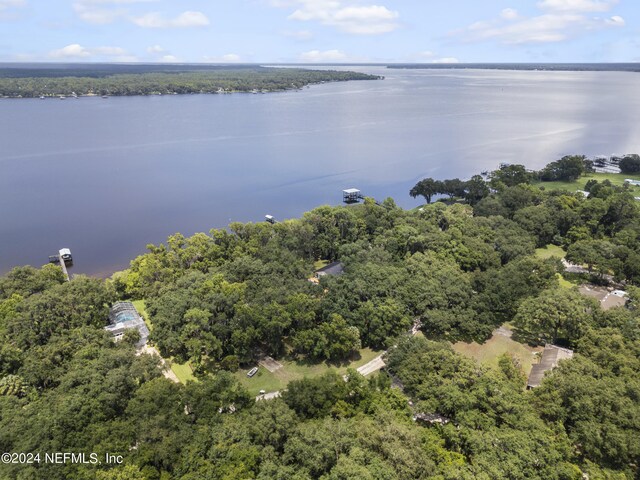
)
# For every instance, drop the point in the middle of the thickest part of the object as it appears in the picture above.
(558, 67)
(155, 80)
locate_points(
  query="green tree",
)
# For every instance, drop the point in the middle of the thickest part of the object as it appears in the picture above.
(568, 169)
(554, 314)
(630, 164)
(475, 189)
(596, 254)
(453, 187)
(427, 188)
(510, 176)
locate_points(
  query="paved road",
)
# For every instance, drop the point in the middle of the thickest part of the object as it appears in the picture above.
(573, 268)
(373, 366)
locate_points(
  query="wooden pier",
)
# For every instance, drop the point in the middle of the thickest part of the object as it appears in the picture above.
(60, 260)
(63, 266)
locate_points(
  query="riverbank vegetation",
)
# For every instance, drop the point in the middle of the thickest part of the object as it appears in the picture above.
(34, 83)
(225, 299)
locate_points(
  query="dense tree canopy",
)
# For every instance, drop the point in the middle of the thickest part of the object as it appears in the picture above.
(154, 80)
(224, 299)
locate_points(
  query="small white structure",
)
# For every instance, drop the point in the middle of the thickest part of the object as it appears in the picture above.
(635, 183)
(351, 195)
(65, 255)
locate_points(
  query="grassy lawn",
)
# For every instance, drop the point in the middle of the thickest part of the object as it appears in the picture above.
(318, 264)
(296, 370)
(489, 352)
(141, 307)
(614, 178)
(564, 283)
(550, 251)
(183, 372)
(265, 380)
(555, 251)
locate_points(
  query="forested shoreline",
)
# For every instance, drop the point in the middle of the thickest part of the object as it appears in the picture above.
(462, 267)
(50, 82)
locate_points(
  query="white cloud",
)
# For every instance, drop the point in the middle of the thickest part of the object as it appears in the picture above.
(6, 4)
(580, 6)
(161, 54)
(125, 59)
(70, 51)
(429, 56)
(155, 49)
(426, 54)
(616, 20)
(446, 60)
(561, 20)
(347, 15)
(76, 51)
(103, 11)
(509, 14)
(114, 2)
(231, 57)
(109, 51)
(302, 35)
(228, 58)
(184, 20)
(317, 56)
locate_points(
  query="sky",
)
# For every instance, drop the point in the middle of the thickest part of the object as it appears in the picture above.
(319, 31)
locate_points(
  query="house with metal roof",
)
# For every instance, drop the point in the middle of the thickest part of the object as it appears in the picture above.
(551, 357)
(335, 268)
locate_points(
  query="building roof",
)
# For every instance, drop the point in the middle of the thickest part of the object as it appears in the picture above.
(432, 418)
(551, 356)
(351, 190)
(335, 268)
(124, 316)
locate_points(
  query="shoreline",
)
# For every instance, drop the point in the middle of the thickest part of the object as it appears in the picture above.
(65, 96)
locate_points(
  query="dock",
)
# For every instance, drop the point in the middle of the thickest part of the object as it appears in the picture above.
(63, 266)
(63, 256)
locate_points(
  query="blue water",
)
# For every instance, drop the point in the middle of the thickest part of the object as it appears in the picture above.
(106, 177)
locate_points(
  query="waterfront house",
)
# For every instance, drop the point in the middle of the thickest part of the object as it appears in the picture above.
(123, 316)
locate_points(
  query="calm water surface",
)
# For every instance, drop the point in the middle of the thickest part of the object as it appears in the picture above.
(106, 177)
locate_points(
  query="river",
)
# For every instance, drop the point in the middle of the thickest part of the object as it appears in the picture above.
(105, 177)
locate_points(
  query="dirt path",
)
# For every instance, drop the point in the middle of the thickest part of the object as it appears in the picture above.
(166, 370)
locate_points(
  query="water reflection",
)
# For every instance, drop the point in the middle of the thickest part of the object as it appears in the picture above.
(105, 178)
